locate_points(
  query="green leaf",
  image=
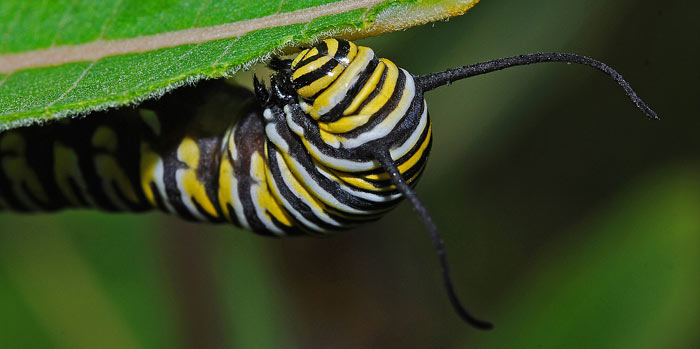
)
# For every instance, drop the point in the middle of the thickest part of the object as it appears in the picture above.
(68, 57)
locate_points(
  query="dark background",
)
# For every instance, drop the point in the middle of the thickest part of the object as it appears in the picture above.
(570, 219)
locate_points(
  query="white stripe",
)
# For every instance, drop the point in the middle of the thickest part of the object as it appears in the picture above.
(402, 150)
(232, 144)
(321, 193)
(286, 173)
(184, 196)
(308, 224)
(159, 180)
(338, 94)
(360, 194)
(318, 191)
(267, 114)
(260, 212)
(379, 131)
(275, 138)
(335, 163)
(238, 209)
(238, 203)
(390, 121)
(262, 215)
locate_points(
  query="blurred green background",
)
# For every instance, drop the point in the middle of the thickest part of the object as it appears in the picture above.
(571, 221)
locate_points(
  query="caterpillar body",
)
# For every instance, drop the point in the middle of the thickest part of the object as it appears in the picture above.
(338, 139)
(261, 164)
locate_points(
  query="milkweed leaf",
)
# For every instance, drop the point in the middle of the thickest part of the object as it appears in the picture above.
(64, 58)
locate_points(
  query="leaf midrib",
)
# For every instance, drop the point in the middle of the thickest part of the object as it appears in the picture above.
(98, 49)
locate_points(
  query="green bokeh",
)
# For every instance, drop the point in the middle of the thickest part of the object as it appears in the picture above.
(571, 221)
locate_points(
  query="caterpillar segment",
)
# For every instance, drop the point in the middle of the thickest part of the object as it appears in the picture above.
(295, 158)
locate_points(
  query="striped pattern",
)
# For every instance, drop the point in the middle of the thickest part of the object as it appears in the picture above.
(347, 103)
(300, 161)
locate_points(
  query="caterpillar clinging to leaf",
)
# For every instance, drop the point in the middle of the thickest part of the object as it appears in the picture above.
(337, 139)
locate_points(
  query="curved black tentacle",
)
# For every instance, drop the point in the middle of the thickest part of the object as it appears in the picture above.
(385, 159)
(434, 80)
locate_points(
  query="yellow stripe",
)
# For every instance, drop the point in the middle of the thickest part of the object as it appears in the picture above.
(195, 189)
(330, 139)
(352, 52)
(310, 53)
(328, 207)
(362, 183)
(265, 200)
(350, 122)
(381, 98)
(299, 57)
(310, 67)
(274, 190)
(366, 90)
(226, 176)
(299, 188)
(357, 182)
(366, 182)
(339, 87)
(344, 124)
(332, 46)
(409, 163)
(149, 159)
(318, 85)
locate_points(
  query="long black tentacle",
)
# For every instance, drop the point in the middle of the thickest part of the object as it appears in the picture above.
(390, 167)
(434, 80)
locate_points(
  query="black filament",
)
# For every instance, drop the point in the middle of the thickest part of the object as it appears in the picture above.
(434, 80)
(390, 167)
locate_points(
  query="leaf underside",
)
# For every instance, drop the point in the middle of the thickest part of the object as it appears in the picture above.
(39, 81)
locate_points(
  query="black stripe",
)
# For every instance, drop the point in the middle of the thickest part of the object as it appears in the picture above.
(409, 173)
(249, 139)
(204, 213)
(337, 112)
(170, 166)
(381, 114)
(414, 148)
(232, 215)
(299, 153)
(208, 171)
(375, 92)
(343, 50)
(160, 204)
(322, 49)
(300, 206)
(312, 76)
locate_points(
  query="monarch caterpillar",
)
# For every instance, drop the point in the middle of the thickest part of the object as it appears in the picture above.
(338, 138)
